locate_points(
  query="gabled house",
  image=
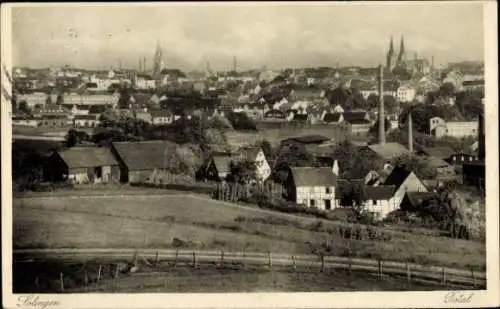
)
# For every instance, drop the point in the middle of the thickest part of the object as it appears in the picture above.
(312, 187)
(86, 121)
(82, 165)
(139, 160)
(380, 200)
(162, 116)
(217, 168)
(403, 181)
(333, 118)
(388, 151)
(255, 154)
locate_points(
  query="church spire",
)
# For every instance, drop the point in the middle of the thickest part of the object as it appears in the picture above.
(390, 56)
(391, 47)
(402, 52)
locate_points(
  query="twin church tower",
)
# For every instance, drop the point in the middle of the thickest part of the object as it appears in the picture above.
(394, 60)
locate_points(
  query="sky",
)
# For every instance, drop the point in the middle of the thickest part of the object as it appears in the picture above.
(258, 35)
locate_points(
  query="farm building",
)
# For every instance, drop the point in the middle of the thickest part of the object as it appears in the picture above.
(312, 187)
(139, 160)
(403, 181)
(379, 200)
(82, 165)
(216, 168)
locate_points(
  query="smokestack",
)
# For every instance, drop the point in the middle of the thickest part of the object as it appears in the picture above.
(381, 117)
(410, 133)
(144, 65)
(481, 146)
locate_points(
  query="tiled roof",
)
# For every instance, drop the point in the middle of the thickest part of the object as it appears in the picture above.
(222, 163)
(416, 198)
(389, 150)
(78, 157)
(250, 153)
(397, 177)
(442, 152)
(308, 139)
(332, 117)
(146, 155)
(313, 176)
(379, 192)
(160, 113)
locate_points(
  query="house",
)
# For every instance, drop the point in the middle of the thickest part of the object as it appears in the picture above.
(461, 128)
(333, 118)
(255, 154)
(406, 93)
(159, 117)
(379, 200)
(312, 187)
(50, 109)
(437, 127)
(82, 165)
(473, 84)
(217, 168)
(403, 181)
(359, 122)
(388, 151)
(441, 152)
(25, 121)
(445, 171)
(275, 115)
(54, 121)
(139, 160)
(86, 121)
(300, 118)
(460, 158)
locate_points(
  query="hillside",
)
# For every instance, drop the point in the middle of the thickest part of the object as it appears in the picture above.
(196, 222)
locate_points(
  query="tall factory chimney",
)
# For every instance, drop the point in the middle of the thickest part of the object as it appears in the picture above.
(481, 138)
(144, 64)
(410, 133)
(381, 117)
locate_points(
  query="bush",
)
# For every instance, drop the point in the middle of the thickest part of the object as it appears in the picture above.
(178, 243)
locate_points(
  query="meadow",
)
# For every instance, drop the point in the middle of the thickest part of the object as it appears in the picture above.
(139, 221)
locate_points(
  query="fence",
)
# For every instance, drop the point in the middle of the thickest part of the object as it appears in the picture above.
(234, 192)
(203, 188)
(108, 267)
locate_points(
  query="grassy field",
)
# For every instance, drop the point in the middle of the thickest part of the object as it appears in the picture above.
(182, 278)
(154, 221)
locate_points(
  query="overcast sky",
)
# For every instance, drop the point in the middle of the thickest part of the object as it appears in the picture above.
(276, 36)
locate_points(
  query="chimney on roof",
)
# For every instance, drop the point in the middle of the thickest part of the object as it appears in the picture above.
(410, 133)
(381, 117)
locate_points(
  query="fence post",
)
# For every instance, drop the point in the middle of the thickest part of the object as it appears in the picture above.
(269, 259)
(222, 258)
(444, 276)
(408, 273)
(380, 268)
(99, 273)
(194, 259)
(61, 281)
(86, 279)
(293, 263)
(157, 259)
(473, 277)
(37, 283)
(116, 271)
(176, 256)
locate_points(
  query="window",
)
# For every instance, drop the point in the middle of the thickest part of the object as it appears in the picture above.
(327, 190)
(374, 202)
(312, 203)
(328, 204)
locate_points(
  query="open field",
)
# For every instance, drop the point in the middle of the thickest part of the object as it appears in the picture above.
(183, 278)
(198, 222)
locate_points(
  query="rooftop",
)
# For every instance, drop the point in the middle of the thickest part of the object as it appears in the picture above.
(78, 157)
(313, 176)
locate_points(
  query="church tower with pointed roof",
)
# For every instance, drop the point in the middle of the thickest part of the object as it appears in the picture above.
(402, 53)
(391, 56)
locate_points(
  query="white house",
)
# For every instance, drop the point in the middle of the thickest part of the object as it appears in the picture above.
(255, 154)
(312, 187)
(159, 117)
(380, 201)
(403, 181)
(406, 93)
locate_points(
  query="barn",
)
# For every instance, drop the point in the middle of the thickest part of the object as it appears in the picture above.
(82, 165)
(139, 160)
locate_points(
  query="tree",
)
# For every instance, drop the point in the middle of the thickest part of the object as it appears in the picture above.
(48, 100)
(355, 162)
(60, 99)
(267, 148)
(243, 172)
(447, 90)
(241, 121)
(291, 155)
(352, 193)
(23, 107)
(419, 165)
(71, 138)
